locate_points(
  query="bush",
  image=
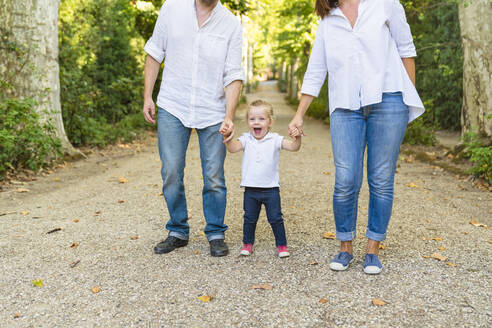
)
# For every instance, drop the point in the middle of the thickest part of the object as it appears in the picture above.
(419, 134)
(101, 68)
(479, 154)
(25, 142)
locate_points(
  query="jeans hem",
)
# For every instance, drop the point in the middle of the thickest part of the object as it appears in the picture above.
(215, 236)
(375, 236)
(178, 235)
(346, 236)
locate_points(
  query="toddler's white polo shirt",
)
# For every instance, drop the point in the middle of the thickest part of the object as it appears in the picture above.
(260, 160)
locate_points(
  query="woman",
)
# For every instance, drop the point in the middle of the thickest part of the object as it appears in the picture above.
(367, 49)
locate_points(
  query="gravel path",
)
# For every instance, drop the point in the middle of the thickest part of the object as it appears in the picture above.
(119, 223)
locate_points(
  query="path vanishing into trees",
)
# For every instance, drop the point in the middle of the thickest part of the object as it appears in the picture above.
(100, 270)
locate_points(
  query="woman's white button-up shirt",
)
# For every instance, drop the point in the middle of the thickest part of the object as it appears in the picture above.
(199, 62)
(364, 61)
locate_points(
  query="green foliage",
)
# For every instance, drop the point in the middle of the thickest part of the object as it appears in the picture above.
(419, 134)
(25, 140)
(479, 154)
(101, 66)
(439, 65)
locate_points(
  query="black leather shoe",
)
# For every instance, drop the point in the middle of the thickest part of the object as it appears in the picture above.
(169, 245)
(218, 248)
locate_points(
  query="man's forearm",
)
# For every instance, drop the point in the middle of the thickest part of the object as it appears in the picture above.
(232, 92)
(151, 71)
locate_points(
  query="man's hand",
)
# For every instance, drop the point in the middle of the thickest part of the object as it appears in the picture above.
(295, 126)
(149, 110)
(227, 129)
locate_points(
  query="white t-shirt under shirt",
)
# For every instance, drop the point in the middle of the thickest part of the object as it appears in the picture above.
(260, 160)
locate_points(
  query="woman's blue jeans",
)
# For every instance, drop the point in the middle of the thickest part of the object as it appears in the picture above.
(173, 138)
(381, 128)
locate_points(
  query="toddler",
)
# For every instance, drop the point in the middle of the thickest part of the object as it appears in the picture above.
(260, 173)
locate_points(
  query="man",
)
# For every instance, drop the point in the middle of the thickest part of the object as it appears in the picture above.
(201, 42)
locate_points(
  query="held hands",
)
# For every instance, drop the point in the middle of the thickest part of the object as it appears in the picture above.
(149, 110)
(227, 129)
(295, 127)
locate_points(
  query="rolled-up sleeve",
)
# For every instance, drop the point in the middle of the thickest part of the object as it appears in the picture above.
(316, 71)
(233, 69)
(157, 44)
(400, 30)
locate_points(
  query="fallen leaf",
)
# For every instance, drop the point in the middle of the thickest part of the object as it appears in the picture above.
(74, 264)
(326, 173)
(427, 220)
(96, 289)
(202, 233)
(451, 264)
(74, 245)
(426, 257)
(436, 238)
(54, 230)
(195, 251)
(24, 213)
(75, 220)
(439, 257)
(292, 206)
(442, 248)
(381, 246)
(122, 180)
(329, 235)
(17, 315)
(57, 179)
(412, 185)
(97, 213)
(134, 237)
(37, 283)
(477, 224)
(423, 238)
(22, 190)
(378, 302)
(323, 300)
(205, 298)
(490, 241)
(464, 232)
(264, 287)
(121, 201)
(314, 263)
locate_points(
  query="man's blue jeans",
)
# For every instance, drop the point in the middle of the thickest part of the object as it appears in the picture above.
(173, 138)
(381, 127)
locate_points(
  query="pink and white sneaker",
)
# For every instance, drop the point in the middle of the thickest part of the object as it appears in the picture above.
(247, 249)
(283, 251)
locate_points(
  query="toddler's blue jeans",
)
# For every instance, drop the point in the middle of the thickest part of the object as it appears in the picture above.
(253, 199)
(380, 128)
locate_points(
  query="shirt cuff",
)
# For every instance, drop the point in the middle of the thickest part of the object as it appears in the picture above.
(154, 51)
(234, 76)
(310, 90)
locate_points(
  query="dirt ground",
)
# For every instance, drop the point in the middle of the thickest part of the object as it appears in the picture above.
(99, 269)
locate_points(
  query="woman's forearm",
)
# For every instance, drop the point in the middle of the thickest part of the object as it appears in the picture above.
(304, 103)
(409, 64)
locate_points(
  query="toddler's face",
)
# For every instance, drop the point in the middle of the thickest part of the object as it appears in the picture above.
(259, 122)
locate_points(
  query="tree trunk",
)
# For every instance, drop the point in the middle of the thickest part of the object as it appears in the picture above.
(476, 35)
(34, 24)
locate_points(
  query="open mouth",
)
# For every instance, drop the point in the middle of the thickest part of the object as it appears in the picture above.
(257, 130)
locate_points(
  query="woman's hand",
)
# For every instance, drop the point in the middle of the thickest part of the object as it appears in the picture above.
(295, 126)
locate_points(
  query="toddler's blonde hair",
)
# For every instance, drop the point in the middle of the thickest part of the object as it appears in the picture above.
(262, 103)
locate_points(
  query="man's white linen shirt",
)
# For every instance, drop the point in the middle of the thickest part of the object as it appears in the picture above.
(364, 61)
(199, 62)
(260, 160)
